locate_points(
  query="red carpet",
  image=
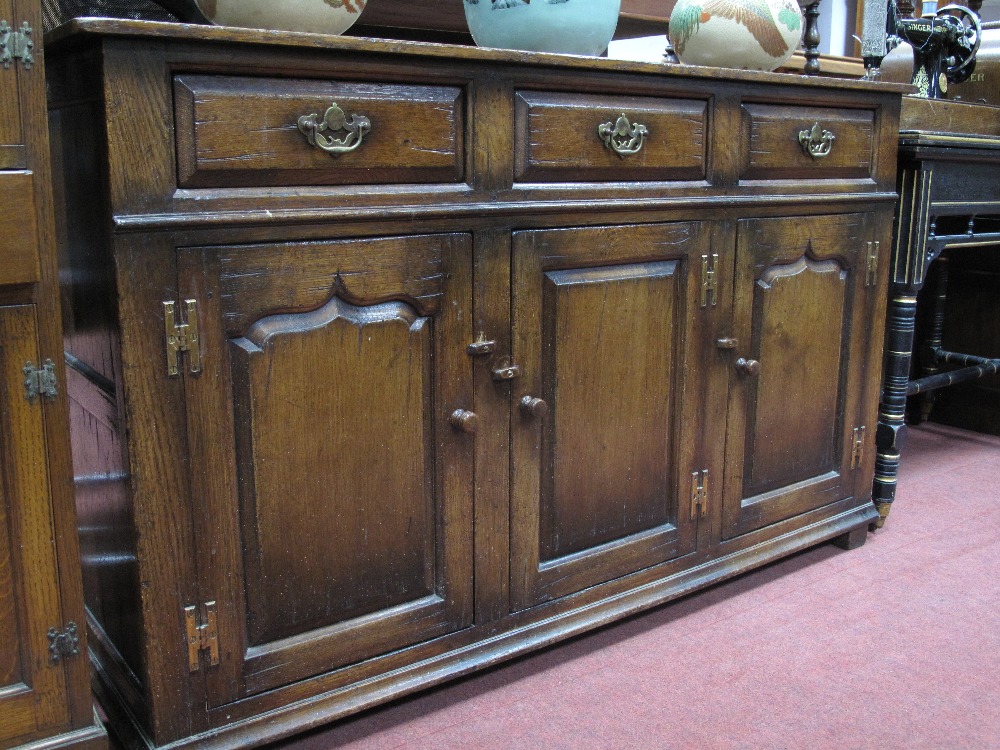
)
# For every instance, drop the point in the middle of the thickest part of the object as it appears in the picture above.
(894, 645)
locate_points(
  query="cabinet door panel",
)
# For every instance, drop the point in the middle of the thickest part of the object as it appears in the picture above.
(12, 153)
(32, 689)
(594, 493)
(800, 308)
(380, 477)
(604, 330)
(348, 491)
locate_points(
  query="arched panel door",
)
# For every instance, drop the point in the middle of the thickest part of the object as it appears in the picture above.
(796, 395)
(336, 496)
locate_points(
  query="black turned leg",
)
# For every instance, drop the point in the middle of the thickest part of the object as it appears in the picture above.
(892, 409)
(929, 364)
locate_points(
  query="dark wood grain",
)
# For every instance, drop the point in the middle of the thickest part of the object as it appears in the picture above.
(773, 150)
(337, 390)
(557, 138)
(18, 228)
(244, 131)
(42, 702)
(31, 602)
(797, 310)
(603, 319)
(453, 404)
(11, 132)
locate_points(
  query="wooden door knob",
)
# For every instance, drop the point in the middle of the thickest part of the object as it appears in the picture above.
(464, 421)
(747, 366)
(534, 407)
(507, 372)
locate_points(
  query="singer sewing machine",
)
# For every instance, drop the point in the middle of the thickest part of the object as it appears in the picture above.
(944, 45)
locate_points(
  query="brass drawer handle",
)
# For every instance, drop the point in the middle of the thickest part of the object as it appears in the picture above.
(335, 119)
(623, 137)
(816, 141)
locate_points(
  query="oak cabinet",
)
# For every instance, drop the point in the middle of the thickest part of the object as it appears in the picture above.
(45, 698)
(543, 342)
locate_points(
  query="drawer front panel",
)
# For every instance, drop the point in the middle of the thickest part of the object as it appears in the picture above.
(558, 138)
(776, 142)
(18, 229)
(244, 132)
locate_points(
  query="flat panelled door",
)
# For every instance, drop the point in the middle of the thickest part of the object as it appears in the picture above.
(606, 322)
(335, 487)
(802, 307)
(32, 687)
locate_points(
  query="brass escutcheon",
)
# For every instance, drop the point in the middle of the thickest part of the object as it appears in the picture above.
(623, 137)
(335, 119)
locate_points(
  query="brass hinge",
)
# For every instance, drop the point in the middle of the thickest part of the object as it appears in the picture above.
(40, 381)
(202, 635)
(182, 336)
(16, 45)
(871, 265)
(858, 447)
(699, 493)
(63, 643)
(709, 279)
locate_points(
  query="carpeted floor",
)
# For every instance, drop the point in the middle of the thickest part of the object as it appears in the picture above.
(893, 645)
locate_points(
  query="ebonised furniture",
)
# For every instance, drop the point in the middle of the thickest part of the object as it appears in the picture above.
(409, 358)
(45, 698)
(949, 185)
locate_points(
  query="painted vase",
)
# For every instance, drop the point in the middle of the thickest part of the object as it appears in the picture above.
(748, 34)
(575, 27)
(317, 16)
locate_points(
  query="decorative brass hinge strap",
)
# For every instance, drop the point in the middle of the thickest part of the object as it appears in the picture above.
(63, 643)
(40, 381)
(858, 447)
(699, 493)
(202, 635)
(16, 45)
(871, 267)
(709, 279)
(182, 336)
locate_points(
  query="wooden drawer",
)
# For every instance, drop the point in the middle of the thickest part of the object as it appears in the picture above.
(18, 229)
(244, 132)
(772, 149)
(558, 138)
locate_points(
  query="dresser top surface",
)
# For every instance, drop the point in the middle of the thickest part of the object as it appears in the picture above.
(151, 31)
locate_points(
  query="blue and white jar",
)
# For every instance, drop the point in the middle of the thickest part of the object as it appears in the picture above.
(576, 27)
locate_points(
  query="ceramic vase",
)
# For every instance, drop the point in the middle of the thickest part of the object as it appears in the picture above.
(576, 27)
(317, 16)
(748, 34)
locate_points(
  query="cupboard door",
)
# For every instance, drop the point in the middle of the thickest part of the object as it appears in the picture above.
(32, 688)
(336, 496)
(801, 315)
(607, 333)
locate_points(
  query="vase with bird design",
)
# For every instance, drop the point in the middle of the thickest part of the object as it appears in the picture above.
(748, 34)
(576, 27)
(317, 16)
